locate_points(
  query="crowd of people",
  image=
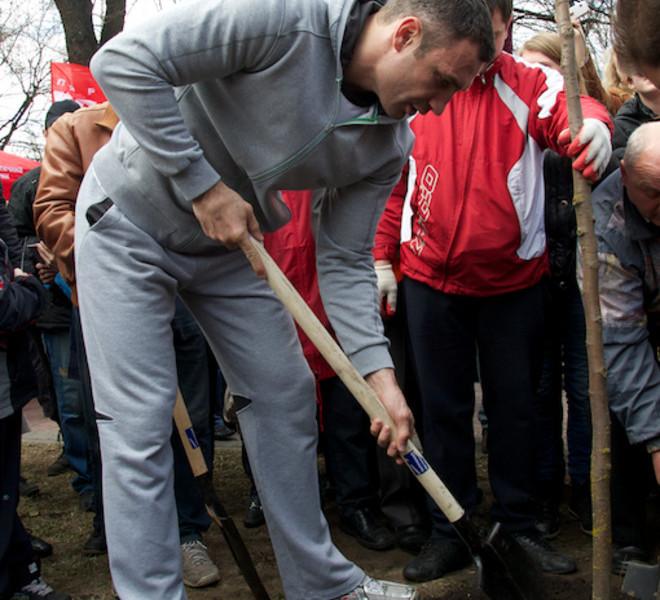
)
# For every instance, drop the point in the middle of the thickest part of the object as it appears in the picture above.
(414, 182)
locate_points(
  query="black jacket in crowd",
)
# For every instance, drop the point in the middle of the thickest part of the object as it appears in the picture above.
(57, 306)
(20, 304)
(630, 116)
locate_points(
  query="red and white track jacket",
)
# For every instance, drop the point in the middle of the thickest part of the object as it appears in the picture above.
(475, 184)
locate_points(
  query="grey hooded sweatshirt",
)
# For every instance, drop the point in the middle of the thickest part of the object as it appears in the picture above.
(249, 91)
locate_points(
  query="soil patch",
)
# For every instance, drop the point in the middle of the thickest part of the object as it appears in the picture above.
(54, 515)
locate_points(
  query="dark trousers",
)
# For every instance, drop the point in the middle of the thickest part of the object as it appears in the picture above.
(15, 548)
(46, 394)
(351, 450)
(565, 365)
(445, 332)
(402, 498)
(629, 484)
(89, 418)
(195, 384)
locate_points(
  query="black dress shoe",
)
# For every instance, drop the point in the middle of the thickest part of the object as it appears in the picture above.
(543, 553)
(437, 558)
(366, 529)
(59, 466)
(411, 538)
(95, 544)
(86, 501)
(40, 547)
(223, 432)
(254, 515)
(579, 506)
(27, 489)
(548, 522)
(622, 555)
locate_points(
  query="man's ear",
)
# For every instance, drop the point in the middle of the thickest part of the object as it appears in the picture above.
(408, 31)
(624, 173)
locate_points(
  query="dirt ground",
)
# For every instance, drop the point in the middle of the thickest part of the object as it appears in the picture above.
(54, 515)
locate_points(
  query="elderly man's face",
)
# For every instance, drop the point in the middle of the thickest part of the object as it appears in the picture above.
(642, 182)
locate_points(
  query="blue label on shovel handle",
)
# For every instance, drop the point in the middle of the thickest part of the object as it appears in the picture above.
(190, 434)
(416, 463)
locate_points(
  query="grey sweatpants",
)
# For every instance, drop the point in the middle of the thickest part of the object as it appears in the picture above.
(127, 284)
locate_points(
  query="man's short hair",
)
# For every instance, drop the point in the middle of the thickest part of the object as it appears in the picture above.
(504, 6)
(639, 140)
(636, 31)
(59, 108)
(447, 21)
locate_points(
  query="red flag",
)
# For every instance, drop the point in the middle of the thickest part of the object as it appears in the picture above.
(11, 168)
(74, 82)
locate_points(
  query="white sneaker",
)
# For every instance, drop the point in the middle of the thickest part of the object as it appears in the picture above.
(373, 589)
(38, 589)
(198, 568)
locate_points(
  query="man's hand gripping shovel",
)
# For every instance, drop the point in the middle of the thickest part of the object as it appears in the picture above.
(504, 570)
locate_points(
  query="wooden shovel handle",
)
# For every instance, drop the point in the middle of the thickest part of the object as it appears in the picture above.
(188, 437)
(214, 507)
(356, 384)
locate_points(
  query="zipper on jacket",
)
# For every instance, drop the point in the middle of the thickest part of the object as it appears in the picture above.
(296, 157)
(366, 120)
(468, 177)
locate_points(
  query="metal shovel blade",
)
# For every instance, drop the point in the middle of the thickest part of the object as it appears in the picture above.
(504, 570)
(641, 581)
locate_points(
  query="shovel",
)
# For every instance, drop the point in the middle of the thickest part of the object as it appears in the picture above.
(641, 581)
(214, 508)
(504, 570)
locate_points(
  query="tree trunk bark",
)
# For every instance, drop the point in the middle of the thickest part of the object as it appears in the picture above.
(76, 18)
(115, 15)
(601, 450)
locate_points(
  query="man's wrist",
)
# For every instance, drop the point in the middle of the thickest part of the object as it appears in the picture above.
(381, 379)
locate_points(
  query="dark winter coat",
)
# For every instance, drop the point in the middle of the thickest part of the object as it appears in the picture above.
(8, 234)
(560, 221)
(21, 301)
(57, 307)
(632, 114)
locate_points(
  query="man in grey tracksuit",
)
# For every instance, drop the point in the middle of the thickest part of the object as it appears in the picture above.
(223, 103)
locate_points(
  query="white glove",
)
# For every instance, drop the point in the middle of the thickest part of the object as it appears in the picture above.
(591, 148)
(387, 290)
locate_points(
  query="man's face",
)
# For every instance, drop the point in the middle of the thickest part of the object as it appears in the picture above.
(412, 82)
(650, 72)
(500, 31)
(642, 182)
(642, 84)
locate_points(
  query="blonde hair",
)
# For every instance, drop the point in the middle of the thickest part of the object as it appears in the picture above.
(549, 43)
(614, 80)
(546, 43)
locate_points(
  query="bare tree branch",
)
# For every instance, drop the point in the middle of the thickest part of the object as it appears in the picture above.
(115, 16)
(29, 40)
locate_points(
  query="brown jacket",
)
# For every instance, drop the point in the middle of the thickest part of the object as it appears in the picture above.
(70, 146)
